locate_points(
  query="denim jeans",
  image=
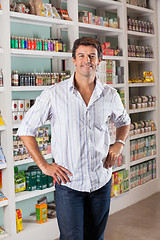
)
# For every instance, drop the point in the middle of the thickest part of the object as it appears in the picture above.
(82, 215)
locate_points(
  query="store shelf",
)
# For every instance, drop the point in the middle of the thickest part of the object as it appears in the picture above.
(142, 110)
(118, 85)
(143, 135)
(30, 160)
(1, 89)
(95, 28)
(142, 160)
(140, 34)
(3, 165)
(120, 196)
(29, 88)
(105, 4)
(141, 84)
(119, 168)
(21, 196)
(38, 20)
(136, 9)
(14, 126)
(1, 50)
(39, 54)
(137, 59)
(116, 58)
(3, 204)
(2, 127)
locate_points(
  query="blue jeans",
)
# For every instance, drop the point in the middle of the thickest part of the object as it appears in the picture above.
(82, 215)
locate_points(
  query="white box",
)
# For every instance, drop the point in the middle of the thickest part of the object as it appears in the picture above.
(14, 105)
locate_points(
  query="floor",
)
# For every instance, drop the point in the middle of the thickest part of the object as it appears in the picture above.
(140, 221)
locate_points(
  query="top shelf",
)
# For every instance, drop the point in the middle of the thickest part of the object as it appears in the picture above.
(38, 20)
(108, 4)
(136, 9)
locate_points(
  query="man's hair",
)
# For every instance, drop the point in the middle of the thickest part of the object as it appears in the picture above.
(87, 41)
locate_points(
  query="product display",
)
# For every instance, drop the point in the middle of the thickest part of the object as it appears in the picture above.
(120, 183)
(140, 26)
(2, 157)
(142, 127)
(140, 3)
(140, 51)
(147, 78)
(119, 162)
(138, 102)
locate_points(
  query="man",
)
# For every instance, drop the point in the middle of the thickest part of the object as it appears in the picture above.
(78, 110)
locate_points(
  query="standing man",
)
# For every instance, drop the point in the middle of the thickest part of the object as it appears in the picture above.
(78, 110)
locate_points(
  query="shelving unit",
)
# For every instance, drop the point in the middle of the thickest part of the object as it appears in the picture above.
(3, 166)
(74, 29)
(30, 160)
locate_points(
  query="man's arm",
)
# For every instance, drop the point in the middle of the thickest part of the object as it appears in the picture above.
(58, 172)
(116, 149)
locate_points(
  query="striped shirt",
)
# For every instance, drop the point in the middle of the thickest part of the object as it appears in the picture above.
(79, 133)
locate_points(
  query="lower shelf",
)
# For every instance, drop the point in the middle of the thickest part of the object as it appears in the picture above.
(3, 204)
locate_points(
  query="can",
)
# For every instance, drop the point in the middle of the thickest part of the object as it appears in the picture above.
(45, 45)
(26, 105)
(12, 42)
(35, 44)
(20, 105)
(29, 44)
(32, 43)
(19, 42)
(15, 117)
(22, 43)
(20, 116)
(16, 42)
(38, 44)
(25, 43)
(14, 105)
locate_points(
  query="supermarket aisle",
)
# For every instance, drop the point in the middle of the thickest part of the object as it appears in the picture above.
(140, 221)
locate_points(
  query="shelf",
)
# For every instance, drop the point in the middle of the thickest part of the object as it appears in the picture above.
(118, 85)
(2, 127)
(1, 89)
(137, 59)
(94, 28)
(142, 160)
(38, 20)
(40, 54)
(143, 135)
(14, 126)
(134, 9)
(1, 50)
(142, 110)
(116, 58)
(20, 196)
(30, 160)
(141, 84)
(140, 34)
(3, 165)
(119, 168)
(29, 88)
(105, 4)
(3, 204)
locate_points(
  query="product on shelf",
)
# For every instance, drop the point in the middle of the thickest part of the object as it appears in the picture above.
(88, 17)
(42, 136)
(2, 157)
(120, 183)
(19, 224)
(140, 51)
(1, 78)
(38, 79)
(2, 197)
(0, 179)
(140, 3)
(142, 147)
(119, 162)
(56, 45)
(140, 26)
(1, 119)
(138, 102)
(110, 52)
(141, 127)
(41, 213)
(19, 180)
(147, 78)
(142, 173)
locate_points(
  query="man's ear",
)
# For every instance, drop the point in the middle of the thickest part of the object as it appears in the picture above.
(74, 61)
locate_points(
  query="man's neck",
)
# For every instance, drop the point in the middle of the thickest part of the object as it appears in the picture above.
(82, 83)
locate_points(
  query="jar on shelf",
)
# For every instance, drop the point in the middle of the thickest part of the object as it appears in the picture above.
(129, 24)
(136, 25)
(133, 25)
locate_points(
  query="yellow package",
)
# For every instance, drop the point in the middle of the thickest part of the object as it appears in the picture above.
(19, 224)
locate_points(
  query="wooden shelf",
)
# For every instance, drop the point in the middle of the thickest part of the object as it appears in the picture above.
(29, 88)
(39, 54)
(142, 110)
(105, 4)
(30, 160)
(2, 127)
(3, 165)
(142, 160)
(141, 84)
(137, 59)
(38, 20)
(21, 196)
(143, 135)
(3, 204)
(134, 9)
(119, 168)
(140, 34)
(14, 126)
(116, 58)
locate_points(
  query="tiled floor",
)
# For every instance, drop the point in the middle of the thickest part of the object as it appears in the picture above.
(140, 221)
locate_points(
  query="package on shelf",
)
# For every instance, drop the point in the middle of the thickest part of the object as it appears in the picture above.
(2, 197)
(141, 127)
(140, 3)
(120, 183)
(37, 180)
(147, 78)
(119, 161)
(138, 102)
(142, 173)
(19, 180)
(2, 156)
(1, 119)
(19, 224)
(41, 213)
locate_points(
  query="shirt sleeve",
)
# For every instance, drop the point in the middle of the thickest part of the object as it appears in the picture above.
(37, 115)
(119, 115)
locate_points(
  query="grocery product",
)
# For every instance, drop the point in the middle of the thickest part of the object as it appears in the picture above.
(41, 213)
(19, 223)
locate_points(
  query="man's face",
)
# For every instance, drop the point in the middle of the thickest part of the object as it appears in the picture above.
(86, 60)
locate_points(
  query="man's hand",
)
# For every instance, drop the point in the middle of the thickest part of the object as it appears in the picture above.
(114, 152)
(58, 172)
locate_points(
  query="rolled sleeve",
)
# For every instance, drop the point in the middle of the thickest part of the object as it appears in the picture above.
(37, 115)
(119, 115)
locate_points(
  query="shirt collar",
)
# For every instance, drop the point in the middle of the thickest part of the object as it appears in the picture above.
(98, 88)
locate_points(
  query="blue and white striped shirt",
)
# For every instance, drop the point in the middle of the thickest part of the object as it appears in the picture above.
(79, 133)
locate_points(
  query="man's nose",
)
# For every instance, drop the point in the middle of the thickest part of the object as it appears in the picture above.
(87, 59)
